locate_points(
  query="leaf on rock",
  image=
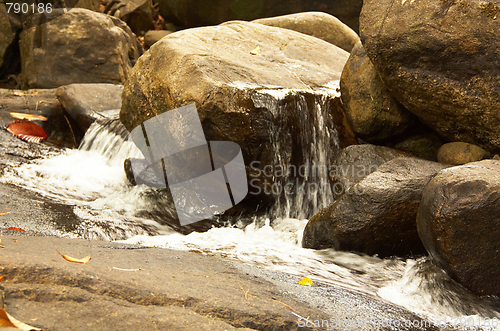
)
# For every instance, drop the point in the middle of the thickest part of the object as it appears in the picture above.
(29, 117)
(255, 51)
(16, 229)
(72, 259)
(121, 269)
(306, 281)
(8, 321)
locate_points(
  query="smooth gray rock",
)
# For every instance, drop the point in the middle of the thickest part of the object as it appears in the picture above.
(377, 215)
(355, 162)
(86, 103)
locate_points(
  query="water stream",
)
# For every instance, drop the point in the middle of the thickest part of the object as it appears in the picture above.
(93, 182)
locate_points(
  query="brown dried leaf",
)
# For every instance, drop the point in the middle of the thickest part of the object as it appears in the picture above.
(9, 321)
(72, 259)
(29, 117)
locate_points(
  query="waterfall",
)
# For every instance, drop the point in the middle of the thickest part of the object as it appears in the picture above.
(109, 139)
(304, 141)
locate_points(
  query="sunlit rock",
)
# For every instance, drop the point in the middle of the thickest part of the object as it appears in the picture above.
(458, 222)
(316, 24)
(279, 104)
(440, 60)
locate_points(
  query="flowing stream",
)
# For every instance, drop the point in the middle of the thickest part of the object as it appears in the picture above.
(92, 181)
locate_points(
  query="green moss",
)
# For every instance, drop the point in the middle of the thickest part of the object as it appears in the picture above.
(490, 10)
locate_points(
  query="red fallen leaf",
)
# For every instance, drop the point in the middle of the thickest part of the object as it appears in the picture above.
(15, 240)
(16, 229)
(27, 130)
(1, 278)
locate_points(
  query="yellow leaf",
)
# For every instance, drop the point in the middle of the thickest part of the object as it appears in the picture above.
(255, 51)
(9, 321)
(72, 259)
(5, 213)
(306, 281)
(29, 117)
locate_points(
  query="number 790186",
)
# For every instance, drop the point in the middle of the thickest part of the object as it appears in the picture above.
(26, 8)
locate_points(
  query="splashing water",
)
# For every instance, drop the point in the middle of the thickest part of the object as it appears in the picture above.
(92, 180)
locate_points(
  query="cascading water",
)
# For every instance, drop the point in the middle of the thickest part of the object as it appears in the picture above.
(301, 185)
(92, 181)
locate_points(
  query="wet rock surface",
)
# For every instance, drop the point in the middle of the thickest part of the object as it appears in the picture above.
(133, 287)
(377, 215)
(458, 224)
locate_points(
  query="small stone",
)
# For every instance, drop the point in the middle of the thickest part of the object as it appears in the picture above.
(458, 153)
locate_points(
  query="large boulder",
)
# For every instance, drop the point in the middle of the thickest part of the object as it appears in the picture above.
(458, 222)
(316, 24)
(440, 60)
(355, 162)
(192, 13)
(80, 46)
(270, 90)
(7, 37)
(377, 215)
(372, 111)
